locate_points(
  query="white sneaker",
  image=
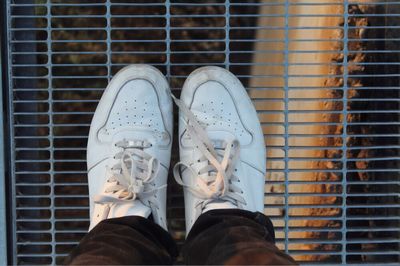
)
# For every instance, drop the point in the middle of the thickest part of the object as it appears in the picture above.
(221, 144)
(129, 147)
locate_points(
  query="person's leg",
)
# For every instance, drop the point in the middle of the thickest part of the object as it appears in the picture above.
(131, 240)
(233, 237)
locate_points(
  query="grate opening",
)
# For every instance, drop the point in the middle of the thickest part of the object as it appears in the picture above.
(324, 76)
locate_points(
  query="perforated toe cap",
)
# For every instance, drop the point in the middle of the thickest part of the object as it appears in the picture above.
(220, 113)
(136, 106)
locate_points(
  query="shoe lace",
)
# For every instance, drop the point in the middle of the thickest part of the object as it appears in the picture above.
(214, 181)
(132, 176)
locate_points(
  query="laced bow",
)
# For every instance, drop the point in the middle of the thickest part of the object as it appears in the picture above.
(132, 176)
(215, 180)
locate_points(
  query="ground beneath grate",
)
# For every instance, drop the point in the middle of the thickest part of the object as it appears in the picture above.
(209, 35)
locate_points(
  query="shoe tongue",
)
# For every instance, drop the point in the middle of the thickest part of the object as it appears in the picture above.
(219, 204)
(136, 133)
(213, 135)
(129, 208)
(139, 134)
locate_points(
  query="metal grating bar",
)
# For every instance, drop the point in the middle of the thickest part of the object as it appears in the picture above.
(3, 197)
(344, 134)
(323, 75)
(286, 120)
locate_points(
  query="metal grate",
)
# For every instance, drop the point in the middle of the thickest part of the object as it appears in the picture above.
(323, 74)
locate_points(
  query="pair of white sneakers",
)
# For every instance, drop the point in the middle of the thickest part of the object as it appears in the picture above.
(221, 146)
